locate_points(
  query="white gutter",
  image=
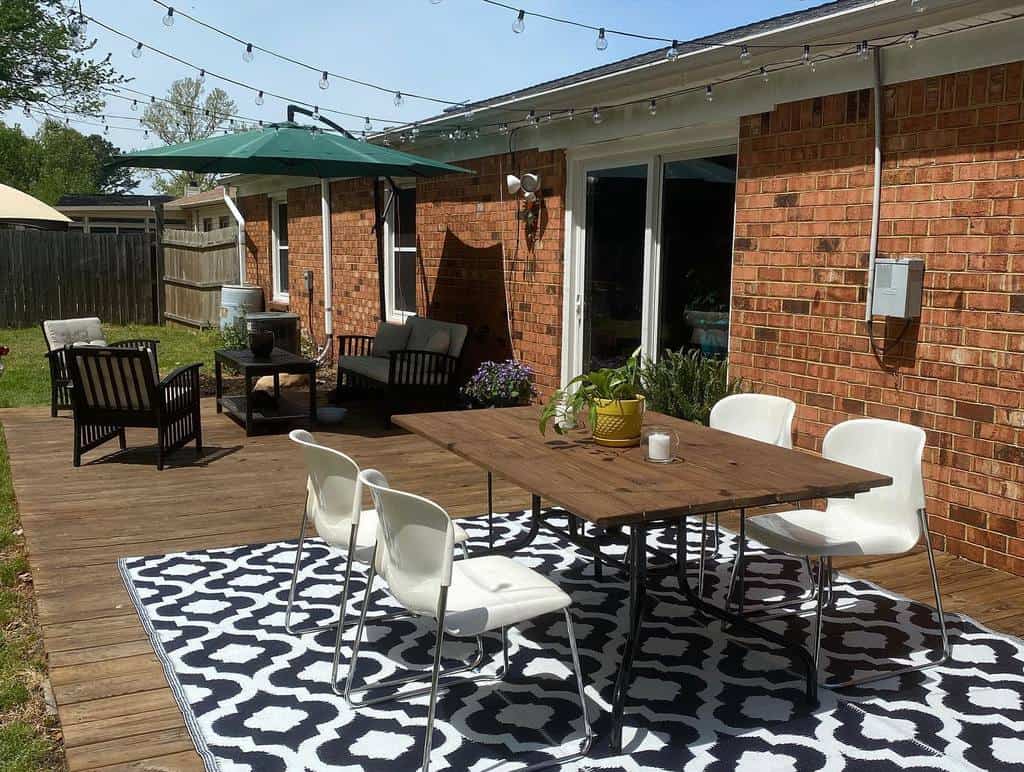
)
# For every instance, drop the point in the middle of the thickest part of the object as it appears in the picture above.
(241, 235)
(876, 193)
(325, 218)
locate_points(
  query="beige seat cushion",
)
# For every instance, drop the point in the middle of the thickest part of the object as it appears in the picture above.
(374, 368)
(65, 332)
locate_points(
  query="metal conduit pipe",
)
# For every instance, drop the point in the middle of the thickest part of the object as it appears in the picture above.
(876, 195)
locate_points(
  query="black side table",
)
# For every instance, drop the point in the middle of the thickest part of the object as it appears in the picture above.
(251, 367)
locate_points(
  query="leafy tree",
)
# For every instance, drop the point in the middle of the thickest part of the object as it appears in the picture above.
(186, 115)
(59, 160)
(43, 62)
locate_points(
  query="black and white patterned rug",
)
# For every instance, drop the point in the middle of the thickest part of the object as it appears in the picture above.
(258, 699)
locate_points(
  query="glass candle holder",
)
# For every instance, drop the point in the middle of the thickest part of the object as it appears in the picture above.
(659, 444)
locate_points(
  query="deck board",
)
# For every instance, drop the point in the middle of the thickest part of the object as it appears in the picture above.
(115, 707)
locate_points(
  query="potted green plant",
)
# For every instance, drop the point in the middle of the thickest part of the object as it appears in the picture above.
(609, 397)
(500, 384)
(687, 384)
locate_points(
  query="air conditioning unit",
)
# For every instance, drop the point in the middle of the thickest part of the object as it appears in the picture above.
(898, 288)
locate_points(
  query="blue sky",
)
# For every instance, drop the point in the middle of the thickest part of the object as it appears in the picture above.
(454, 49)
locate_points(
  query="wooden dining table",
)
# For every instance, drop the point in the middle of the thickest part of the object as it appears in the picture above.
(713, 471)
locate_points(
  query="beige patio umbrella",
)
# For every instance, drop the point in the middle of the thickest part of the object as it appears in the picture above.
(20, 208)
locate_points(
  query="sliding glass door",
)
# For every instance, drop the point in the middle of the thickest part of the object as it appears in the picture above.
(650, 258)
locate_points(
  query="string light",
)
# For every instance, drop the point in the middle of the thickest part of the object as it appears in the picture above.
(469, 115)
(324, 82)
(169, 17)
(602, 41)
(135, 105)
(316, 112)
(520, 23)
(503, 128)
(744, 53)
(145, 134)
(709, 93)
(202, 77)
(367, 125)
(259, 99)
(247, 55)
(82, 31)
(596, 116)
(572, 114)
(531, 118)
(919, 5)
(764, 74)
(137, 51)
(673, 51)
(27, 111)
(652, 108)
(912, 39)
(863, 50)
(806, 57)
(398, 99)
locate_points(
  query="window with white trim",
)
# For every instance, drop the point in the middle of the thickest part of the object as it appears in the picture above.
(400, 256)
(279, 256)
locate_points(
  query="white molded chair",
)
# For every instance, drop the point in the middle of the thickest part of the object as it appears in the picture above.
(466, 598)
(334, 502)
(883, 521)
(762, 417)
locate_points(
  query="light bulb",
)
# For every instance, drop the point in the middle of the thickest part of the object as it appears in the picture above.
(247, 53)
(912, 39)
(82, 30)
(918, 5)
(806, 57)
(399, 99)
(414, 132)
(709, 93)
(135, 105)
(531, 117)
(137, 51)
(202, 77)
(27, 111)
(602, 41)
(152, 100)
(259, 98)
(316, 112)
(744, 54)
(367, 125)
(469, 115)
(503, 128)
(169, 18)
(673, 51)
(106, 130)
(572, 113)
(260, 122)
(596, 116)
(764, 74)
(547, 118)
(652, 108)
(145, 134)
(323, 83)
(520, 23)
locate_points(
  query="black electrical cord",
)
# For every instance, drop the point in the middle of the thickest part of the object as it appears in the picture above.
(881, 352)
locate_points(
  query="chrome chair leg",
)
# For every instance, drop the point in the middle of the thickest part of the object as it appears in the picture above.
(944, 653)
(295, 580)
(428, 739)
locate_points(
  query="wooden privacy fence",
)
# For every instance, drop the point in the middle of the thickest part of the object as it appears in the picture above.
(196, 266)
(64, 274)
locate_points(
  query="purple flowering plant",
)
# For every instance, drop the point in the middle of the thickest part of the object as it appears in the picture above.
(500, 384)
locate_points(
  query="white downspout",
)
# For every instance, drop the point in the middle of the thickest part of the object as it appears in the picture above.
(876, 195)
(241, 235)
(325, 217)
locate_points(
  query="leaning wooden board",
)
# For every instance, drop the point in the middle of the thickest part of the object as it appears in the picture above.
(716, 471)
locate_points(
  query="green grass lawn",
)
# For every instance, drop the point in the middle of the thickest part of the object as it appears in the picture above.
(29, 737)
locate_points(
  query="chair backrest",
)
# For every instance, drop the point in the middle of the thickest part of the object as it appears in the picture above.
(67, 332)
(424, 334)
(418, 538)
(333, 480)
(761, 417)
(887, 447)
(112, 379)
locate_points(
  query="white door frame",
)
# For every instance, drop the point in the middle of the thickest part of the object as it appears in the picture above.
(579, 163)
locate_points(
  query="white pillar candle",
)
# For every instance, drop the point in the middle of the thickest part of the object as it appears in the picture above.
(659, 447)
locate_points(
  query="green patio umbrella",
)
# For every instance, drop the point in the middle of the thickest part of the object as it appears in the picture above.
(290, 149)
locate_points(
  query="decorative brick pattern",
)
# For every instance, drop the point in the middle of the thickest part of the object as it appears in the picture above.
(953, 195)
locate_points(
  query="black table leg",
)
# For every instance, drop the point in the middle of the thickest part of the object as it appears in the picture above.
(637, 602)
(220, 382)
(527, 538)
(741, 625)
(490, 510)
(248, 405)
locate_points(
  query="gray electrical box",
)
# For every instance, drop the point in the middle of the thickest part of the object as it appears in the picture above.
(898, 288)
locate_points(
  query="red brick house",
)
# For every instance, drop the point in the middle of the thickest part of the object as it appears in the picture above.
(741, 224)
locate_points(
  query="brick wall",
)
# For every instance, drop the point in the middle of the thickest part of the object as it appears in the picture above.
(953, 185)
(473, 253)
(476, 261)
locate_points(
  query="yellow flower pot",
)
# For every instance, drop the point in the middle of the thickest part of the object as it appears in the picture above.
(618, 422)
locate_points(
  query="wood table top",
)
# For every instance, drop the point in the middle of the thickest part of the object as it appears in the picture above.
(279, 358)
(715, 471)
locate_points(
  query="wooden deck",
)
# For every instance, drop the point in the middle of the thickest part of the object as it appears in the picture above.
(115, 707)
